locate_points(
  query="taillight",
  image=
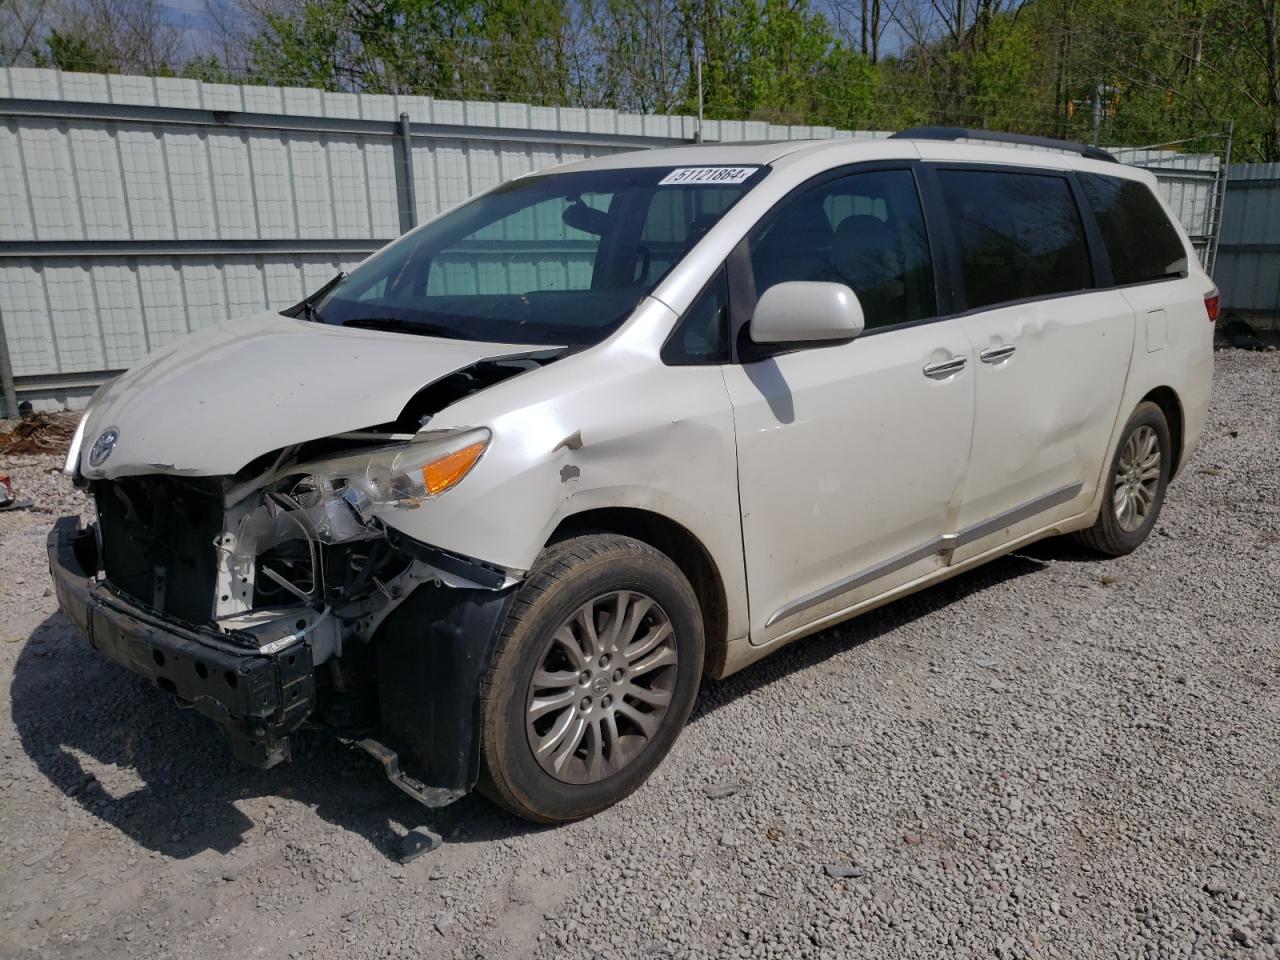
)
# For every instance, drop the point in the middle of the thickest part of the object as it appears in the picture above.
(1213, 305)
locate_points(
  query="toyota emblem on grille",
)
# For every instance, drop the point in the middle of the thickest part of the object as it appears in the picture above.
(103, 446)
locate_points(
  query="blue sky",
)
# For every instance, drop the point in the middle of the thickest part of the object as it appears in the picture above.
(192, 16)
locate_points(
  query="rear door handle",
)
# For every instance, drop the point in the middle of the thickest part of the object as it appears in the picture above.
(996, 354)
(945, 368)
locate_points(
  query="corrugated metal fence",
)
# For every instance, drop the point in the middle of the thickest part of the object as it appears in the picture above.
(136, 209)
(1249, 264)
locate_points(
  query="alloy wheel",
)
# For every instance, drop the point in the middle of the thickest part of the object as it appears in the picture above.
(602, 687)
(1137, 479)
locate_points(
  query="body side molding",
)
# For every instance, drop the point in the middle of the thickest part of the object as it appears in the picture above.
(941, 544)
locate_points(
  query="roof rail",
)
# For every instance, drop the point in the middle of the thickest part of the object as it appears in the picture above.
(960, 133)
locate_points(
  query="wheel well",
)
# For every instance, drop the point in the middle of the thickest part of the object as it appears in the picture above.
(664, 534)
(1171, 407)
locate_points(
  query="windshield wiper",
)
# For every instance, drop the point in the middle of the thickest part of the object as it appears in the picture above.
(307, 309)
(403, 326)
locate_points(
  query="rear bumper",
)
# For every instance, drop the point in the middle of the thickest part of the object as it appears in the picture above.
(258, 699)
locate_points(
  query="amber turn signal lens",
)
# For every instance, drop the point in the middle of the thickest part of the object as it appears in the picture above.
(439, 475)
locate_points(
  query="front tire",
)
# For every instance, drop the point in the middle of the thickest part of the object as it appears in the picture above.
(1135, 484)
(593, 677)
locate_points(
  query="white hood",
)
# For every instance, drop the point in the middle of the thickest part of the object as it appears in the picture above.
(209, 403)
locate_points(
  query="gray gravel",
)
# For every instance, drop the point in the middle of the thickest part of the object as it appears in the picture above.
(1054, 756)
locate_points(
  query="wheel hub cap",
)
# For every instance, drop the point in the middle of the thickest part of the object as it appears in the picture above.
(1137, 479)
(603, 684)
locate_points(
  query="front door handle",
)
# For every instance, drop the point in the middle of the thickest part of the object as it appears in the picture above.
(945, 368)
(996, 354)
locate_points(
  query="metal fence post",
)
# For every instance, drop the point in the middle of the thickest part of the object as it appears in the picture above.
(404, 177)
(6, 376)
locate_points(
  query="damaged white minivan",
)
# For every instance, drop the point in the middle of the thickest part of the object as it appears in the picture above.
(492, 505)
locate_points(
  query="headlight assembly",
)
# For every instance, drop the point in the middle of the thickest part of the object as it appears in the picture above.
(405, 476)
(424, 469)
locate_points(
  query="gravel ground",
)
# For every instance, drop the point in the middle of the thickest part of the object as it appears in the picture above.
(1053, 756)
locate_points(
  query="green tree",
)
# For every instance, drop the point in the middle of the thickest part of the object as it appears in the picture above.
(73, 51)
(493, 50)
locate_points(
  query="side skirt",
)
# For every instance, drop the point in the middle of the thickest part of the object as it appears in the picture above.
(741, 653)
(943, 544)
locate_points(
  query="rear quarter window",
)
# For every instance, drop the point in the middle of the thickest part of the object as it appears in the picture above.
(1141, 242)
(1019, 235)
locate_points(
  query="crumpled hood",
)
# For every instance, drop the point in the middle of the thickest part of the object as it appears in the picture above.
(207, 404)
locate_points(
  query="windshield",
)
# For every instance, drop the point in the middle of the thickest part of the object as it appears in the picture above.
(560, 259)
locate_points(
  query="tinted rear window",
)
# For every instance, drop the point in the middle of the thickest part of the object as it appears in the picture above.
(1141, 242)
(1019, 235)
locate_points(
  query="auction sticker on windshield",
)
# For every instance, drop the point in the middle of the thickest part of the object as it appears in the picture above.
(709, 175)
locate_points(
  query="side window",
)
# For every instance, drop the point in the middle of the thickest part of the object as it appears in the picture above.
(702, 335)
(1020, 235)
(865, 230)
(1141, 242)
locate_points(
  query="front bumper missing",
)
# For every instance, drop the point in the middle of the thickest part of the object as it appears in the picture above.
(257, 698)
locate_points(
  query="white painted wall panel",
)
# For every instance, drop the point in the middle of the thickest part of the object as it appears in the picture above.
(164, 307)
(477, 114)
(135, 90)
(222, 96)
(187, 153)
(380, 170)
(101, 184)
(424, 180)
(483, 168)
(350, 190)
(76, 329)
(177, 92)
(514, 161)
(90, 87)
(118, 297)
(233, 186)
(269, 158)
(452, 173)
(45, 152)
(312, 187)
(34, 84)
(378, 106)
(28, 322)
(262, 99)
(206, 298)
(15, 199)
(418, 108)
(341, 105)
(316, 273)
(447, 111)
(303, 103)
(146, 180)
(283, 281)
(243, 279)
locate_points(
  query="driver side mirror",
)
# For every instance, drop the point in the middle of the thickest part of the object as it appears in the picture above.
(806, 311)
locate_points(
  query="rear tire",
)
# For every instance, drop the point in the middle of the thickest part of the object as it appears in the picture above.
(576, 714)
(1136, 481)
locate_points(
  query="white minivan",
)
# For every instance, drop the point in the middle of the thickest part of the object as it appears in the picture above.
(494, 503)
